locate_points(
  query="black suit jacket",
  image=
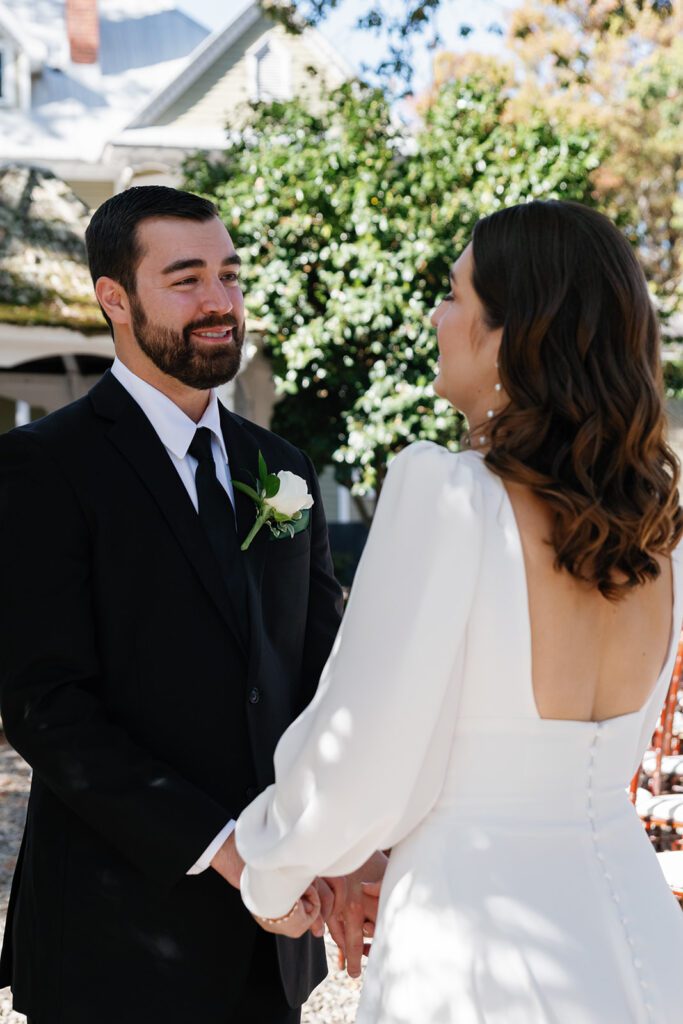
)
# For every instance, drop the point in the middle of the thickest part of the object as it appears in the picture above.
(148, 717)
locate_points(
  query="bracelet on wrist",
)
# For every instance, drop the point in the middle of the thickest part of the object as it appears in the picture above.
(280, 920)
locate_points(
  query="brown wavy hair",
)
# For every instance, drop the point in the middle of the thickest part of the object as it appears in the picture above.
(580, 363)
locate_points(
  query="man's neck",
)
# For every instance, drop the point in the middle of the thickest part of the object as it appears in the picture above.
(192, 402)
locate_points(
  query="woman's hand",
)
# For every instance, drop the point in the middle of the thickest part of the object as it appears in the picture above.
(300, 919)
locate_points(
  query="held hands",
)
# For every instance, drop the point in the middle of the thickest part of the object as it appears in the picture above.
(354, 911)
(347, 904)
(309, 912)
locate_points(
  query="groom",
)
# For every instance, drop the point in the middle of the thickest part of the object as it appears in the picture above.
(147, 666)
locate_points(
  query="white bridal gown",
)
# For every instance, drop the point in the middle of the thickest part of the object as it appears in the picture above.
(521, 888)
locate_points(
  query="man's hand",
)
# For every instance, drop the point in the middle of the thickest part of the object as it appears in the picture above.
(228, 862)
(350, 921)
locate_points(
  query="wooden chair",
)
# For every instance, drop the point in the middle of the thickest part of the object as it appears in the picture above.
(657, 787)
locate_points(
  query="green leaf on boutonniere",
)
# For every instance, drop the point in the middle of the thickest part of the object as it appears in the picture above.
(288, 527)
(271, 485)
(246, 489)
(282, 517)
(262, 470)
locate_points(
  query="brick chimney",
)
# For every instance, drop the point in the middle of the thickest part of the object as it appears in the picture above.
(83, 30)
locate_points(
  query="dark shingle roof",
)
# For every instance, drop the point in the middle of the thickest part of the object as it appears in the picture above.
(44, 277)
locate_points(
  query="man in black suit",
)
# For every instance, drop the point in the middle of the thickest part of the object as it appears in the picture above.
(147, 665)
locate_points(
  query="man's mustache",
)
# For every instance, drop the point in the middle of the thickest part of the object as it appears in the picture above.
(209, 322)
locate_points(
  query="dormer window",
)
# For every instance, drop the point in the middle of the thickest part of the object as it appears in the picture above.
(270, 71)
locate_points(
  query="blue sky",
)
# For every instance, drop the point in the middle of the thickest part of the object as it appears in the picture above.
(358, 47)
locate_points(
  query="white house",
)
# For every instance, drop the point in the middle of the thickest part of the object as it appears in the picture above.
(109, 93)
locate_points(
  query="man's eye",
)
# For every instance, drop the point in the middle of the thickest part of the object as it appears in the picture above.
(231, 277)
(185, 280)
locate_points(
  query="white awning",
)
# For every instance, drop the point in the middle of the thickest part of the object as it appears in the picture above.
(22, 344)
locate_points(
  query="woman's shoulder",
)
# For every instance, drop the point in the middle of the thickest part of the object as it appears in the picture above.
(427, 460)
(451, 482)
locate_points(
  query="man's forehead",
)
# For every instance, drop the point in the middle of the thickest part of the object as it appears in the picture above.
(161, 236)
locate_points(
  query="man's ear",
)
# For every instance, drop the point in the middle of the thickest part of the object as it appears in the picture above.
(113, 299)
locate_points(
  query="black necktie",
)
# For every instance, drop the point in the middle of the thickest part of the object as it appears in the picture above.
(218, 521)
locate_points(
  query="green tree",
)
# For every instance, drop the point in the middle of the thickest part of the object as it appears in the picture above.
(349, 228)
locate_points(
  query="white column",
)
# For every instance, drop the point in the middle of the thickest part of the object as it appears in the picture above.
(22, 414)
(343, 504)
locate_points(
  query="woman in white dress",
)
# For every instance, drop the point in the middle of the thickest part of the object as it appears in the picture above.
(506, 649)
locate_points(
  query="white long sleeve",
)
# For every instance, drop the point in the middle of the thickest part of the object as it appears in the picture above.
(366, 760)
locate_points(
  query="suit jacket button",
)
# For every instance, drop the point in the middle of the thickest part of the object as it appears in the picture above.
(254, 695)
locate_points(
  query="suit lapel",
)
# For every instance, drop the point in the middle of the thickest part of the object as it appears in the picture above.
(243, 455)
(133, 435)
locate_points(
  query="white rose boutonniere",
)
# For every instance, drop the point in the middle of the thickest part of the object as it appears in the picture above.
(280, 498)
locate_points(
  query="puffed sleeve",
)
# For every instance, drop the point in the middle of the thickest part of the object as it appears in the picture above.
(365, 762)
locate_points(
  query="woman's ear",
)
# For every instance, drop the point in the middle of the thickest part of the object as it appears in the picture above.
(113, 299)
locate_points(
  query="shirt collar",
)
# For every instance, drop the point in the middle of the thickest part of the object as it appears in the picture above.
(174, 428)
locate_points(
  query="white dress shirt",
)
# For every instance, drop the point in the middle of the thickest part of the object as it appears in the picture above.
(176, 431)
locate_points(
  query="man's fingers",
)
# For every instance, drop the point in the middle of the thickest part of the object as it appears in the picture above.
(326, 897)
(336, 928)
(310, 901)
(370, 899)
(372, 888)
(339, 892)
(354, 943)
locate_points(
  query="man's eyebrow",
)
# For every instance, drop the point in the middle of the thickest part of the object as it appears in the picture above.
(172, 268)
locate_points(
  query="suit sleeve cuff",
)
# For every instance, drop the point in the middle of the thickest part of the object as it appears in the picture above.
(210, 852)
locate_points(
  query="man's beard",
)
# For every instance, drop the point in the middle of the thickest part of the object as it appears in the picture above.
(175, 353)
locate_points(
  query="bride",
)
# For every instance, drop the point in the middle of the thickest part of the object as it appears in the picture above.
(504, 655)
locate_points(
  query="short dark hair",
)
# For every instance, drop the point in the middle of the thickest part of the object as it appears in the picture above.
(580, 363)
(111, 238)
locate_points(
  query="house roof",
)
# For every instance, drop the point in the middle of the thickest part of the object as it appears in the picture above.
(208, 52)
(203, 57)
(150, 54)
(31, 44)
(44, 277)
(76, 108)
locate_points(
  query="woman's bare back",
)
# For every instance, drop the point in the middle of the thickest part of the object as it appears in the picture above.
(593, 659)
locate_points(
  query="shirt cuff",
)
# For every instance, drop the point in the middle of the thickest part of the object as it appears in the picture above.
(210, 852)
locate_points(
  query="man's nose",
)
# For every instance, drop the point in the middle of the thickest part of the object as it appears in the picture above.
(215, 298)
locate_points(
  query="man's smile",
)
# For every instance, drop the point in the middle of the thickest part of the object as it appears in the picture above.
(214, 334)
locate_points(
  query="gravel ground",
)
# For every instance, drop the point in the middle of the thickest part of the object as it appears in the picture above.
(333, 1002)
